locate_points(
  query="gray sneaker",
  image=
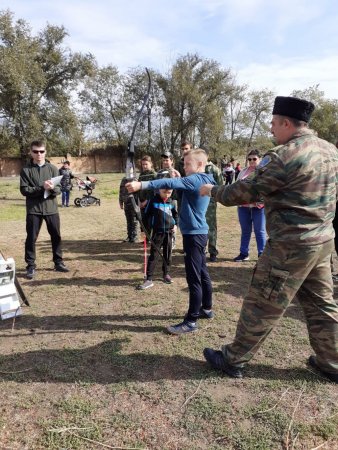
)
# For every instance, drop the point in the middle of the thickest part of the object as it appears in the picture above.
(182, 328)
(147, 284)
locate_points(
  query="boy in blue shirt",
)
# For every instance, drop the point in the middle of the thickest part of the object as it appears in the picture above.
(194, 231)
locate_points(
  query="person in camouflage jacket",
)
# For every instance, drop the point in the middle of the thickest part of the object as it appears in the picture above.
(211, 214)
(298, 183)
(131, 219)
(147, 174)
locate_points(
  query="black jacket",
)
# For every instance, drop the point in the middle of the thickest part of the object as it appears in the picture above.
(32, 178)
(66, 182)
(160, 215)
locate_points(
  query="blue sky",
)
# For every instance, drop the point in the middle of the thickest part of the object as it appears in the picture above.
(280, 45)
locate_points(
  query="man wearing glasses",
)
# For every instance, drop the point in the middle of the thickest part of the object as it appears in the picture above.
(41, 204)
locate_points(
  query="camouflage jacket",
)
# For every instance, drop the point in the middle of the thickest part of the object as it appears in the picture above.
(147, 175)
(213, 170)
(298, 182)
(124, 198)
(210, 168)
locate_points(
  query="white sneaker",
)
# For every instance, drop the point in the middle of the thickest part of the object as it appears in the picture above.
(147, 284)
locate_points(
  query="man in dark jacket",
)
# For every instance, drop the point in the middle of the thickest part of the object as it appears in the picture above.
(40, 190)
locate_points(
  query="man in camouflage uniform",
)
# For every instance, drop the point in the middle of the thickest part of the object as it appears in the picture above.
(126, 204)
(211, 215)
(298, 182)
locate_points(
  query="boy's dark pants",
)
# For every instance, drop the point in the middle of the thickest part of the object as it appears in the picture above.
(33, 225)
(164, 240)
(198, 278)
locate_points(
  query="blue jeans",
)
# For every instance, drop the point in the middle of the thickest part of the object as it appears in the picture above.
(248, 217)
(65, 197)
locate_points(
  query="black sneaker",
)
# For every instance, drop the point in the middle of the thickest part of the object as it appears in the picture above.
(206, 314)
(241, 257)
(331, 376)
(217, 361)
(30, 273)
(213, 258)
(60, 267)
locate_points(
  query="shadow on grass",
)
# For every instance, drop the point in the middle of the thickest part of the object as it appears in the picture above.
(105, 363)
(60, 324)
(88, 280)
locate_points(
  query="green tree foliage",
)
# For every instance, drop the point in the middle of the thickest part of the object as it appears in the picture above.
(48, 91)
(104, 109)
(325, 116)
(37, 76)
(195, 93)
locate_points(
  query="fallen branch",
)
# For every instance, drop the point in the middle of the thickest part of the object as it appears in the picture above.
(320, 446)
(276, 404)
(64, 429)
(105, 445)
(17, 371)
(293, 416)
(191, 396)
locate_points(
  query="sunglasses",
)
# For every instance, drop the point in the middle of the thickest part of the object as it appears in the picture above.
(38, 151)
(252, 159)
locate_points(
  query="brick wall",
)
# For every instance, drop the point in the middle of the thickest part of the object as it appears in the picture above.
(11, 167)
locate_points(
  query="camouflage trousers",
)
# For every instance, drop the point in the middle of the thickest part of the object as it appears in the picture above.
(132, 223)
(281, 272)
(211, 219)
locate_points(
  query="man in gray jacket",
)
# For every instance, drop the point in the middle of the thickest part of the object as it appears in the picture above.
(41, 204)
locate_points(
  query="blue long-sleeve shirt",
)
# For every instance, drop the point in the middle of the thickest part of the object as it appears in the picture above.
(193, 206)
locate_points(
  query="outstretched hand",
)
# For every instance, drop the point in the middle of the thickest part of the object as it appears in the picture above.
(133, 186)
(206, 190)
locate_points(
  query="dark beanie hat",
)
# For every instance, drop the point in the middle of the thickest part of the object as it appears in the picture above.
(167, 155)
(293, 107)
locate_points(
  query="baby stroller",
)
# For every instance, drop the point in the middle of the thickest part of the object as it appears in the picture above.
(87, 199)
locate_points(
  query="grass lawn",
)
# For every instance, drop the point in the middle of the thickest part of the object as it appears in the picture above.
(89, 365)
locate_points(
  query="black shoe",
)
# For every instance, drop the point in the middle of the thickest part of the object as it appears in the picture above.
(213, 258)
(241, 257)
(60, 267)
(203, 314)
(331, 376)
(216, 360)
(30, 273)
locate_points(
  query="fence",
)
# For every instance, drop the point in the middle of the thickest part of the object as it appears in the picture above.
(11, 167)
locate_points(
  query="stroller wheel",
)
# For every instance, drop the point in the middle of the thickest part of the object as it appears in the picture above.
(77, 201)
(83, 202)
